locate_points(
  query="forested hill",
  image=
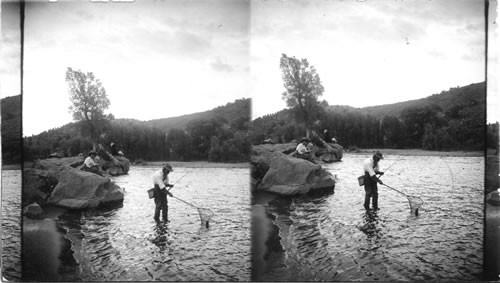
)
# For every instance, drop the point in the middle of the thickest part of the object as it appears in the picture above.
(454, 98)
(231, 111)
(11, 129)
(218, 135)
(451, 120)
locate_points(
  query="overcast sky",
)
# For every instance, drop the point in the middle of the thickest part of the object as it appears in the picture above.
(160, 59)
(156, 59)
(368, 52)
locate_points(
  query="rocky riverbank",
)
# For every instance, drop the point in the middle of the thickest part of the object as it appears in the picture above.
(274, 170)
(50, 188)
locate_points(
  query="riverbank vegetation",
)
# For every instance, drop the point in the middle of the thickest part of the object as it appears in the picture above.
(219, 135)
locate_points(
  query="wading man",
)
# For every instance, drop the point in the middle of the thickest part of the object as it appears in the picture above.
(371, 170)
(160, 182)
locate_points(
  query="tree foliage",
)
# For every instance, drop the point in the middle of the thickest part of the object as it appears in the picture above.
(302, 89)
(88, 99)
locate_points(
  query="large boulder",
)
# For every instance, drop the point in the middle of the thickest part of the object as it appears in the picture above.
(277, 172)
(119, 165)
(60, 182)
(57, 163)
(113, 165)
(330, 153)
(78, 189)
(37, 185)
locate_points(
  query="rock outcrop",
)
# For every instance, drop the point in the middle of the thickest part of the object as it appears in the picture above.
(113, 165)
(274, 170)
(78, 189)
(58, 181)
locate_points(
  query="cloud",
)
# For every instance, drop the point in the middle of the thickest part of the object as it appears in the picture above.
(220, 66)
(190, 43)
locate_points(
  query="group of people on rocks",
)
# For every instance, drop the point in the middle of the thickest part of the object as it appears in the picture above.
(304, 149)
(90, 163)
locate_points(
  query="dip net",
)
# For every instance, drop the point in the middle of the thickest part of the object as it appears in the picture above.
(205, 216)
(414, 201)
(205, 213)
(415, 204)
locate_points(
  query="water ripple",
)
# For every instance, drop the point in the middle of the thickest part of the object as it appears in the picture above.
(125, 243)
(333, 238)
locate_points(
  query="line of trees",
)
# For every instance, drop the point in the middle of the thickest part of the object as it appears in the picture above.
(425, 127)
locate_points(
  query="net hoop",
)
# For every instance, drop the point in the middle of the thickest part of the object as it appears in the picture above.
(205, 215)
(415, 203)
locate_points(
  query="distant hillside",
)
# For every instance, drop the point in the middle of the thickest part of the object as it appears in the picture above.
(230, 112)
(11, 129)
(467, 96)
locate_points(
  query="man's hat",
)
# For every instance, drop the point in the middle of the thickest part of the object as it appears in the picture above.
(334, 140)
(92, 152)
(304, 139)
(167, 166)
(378, 154)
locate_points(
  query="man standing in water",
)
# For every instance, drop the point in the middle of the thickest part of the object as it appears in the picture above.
(160, 181)
(371, 169)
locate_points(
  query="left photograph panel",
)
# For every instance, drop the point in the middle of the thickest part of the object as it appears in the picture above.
(125, 144)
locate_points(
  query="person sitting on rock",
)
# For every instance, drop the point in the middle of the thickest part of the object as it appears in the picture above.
(90, 165)
(301, 151)
(114, 150)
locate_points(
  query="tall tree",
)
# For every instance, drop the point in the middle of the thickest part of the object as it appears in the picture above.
(302, 89)
(88, 99)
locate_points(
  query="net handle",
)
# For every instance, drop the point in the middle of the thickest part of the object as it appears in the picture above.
(185, 202)
(396, 190)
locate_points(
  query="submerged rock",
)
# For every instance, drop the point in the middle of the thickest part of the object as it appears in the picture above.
(33, 211)
(493, 198)
(276, 172)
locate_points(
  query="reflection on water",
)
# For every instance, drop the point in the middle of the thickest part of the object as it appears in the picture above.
(333, 238)
(11, 224)
(125, 243)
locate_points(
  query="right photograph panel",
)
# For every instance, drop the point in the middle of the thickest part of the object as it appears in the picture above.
(369, 140)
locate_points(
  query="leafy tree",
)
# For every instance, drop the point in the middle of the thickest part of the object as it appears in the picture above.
(302, 90)
(88, 99)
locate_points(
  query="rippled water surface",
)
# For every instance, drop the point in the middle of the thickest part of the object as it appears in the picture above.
(11, 224)
(332, 237)
(125, 243)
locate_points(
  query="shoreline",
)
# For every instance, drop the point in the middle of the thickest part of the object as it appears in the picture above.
(194, 164)
(417, 152)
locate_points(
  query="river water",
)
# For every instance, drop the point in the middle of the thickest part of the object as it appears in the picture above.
(332, 237)
(11, 224)
(126, 244)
